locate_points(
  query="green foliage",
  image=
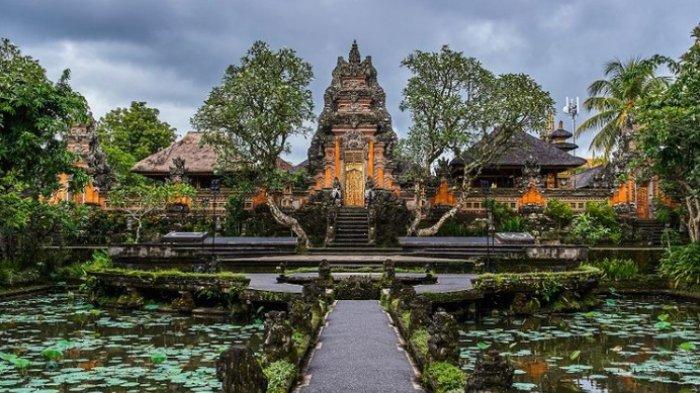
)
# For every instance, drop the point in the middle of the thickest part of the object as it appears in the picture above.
(142, 200)
(251, 137)
(280, 376)
(444, 377)
(616, 100)
(419, 339)
(158, 356)
(681, 265)
(559, 212)
(669, 136)
(615, 269)
(136, 131)
(596, 225)
(18, 362)
(35, 116)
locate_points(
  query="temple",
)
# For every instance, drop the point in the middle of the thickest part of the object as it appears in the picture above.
(353, 150)
(354, 142)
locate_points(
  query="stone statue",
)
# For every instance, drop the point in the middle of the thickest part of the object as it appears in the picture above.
(369, 191)
(420, 313)
(278, 343)
(324, 271)
(492, 373)
(177, 171)
(443, 338)
(389, 270)
(336, 192)
(240, 372)
(300, 315)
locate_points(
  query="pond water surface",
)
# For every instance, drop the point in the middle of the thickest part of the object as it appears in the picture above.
(61, 343)
(627, 345)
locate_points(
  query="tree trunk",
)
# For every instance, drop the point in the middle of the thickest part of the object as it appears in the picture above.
(418, 210)
(431, 231)
(288, 221)
(693, 221)
(138, 232)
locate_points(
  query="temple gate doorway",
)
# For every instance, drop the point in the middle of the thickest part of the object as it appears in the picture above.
(354, 178)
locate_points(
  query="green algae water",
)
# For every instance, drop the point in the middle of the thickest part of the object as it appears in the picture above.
(61, 343)
(628, 345)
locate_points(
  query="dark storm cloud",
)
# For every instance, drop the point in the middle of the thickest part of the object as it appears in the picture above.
(171, 53)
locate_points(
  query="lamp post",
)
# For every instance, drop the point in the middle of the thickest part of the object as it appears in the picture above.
(486, 189)
(215, 188)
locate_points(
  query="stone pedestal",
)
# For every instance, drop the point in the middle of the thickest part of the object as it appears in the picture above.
(240, 372)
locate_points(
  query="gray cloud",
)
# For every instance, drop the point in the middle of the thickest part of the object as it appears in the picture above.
(171, 54)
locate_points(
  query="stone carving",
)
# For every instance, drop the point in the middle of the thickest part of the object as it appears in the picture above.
(183, 303)
(354, 140)
(240, 372)
(177, 170)
(492, 373)
(300, 315)
(278, 343)
(389, 270)
(420, 313)
(531, 174)
(324, 271)
(443, 338)
(354, 80)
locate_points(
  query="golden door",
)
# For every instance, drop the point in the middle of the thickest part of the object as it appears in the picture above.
(354, 185)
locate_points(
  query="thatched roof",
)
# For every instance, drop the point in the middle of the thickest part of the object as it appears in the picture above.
(523, 146)
(587, 178)
(200, 158)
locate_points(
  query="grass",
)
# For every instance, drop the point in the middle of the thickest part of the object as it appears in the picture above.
(419, 339)
(280, 375)
(444, 377)
(166, 273)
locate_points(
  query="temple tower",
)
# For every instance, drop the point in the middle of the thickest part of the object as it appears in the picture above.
(354, 141)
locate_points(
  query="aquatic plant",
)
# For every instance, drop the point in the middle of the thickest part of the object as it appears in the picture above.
(18, 362)
(616, 269)
(158, 356)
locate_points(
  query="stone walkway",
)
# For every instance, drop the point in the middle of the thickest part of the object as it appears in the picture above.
(448, 283)
(359, 352)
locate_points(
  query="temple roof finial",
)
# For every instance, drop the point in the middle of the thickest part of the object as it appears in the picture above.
(354, 56)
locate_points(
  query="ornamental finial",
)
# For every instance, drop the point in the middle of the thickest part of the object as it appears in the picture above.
(354, 56)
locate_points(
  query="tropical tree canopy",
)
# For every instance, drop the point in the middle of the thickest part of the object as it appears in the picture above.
(669, 136)
(131, 134)
(252, 115)
(35, 116)
(615, 100)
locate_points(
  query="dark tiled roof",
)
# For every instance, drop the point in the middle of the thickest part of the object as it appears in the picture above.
(585, 179)
(524, 145)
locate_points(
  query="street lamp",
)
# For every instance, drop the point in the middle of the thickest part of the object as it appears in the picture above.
(486, 189)
(215, 187)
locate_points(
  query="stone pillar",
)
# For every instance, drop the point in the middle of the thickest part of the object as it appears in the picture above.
(443, 338)
(239, 371)
(492, 373)
(336, 157)
(278, 343)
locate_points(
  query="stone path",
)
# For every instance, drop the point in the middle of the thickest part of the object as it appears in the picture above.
(359, 352)
(268, 282)
(448, 283)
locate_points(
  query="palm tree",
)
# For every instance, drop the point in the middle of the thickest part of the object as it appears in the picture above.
(615, 99)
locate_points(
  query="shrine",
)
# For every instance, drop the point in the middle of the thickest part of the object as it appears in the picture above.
(354, 143)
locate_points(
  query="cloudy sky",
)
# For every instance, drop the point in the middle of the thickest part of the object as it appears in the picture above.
(170, 54)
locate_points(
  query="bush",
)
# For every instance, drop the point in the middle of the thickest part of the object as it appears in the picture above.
(615, 269)
(595, 226)
(12, 274)
(559, 212)
(280, 375)
(444, 377)
(681, 265)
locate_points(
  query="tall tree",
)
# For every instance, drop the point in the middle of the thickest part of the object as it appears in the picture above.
(443, 95)
(250, 117)
(669, 137)
(614, 100)
(35, 116)
(131, 134)
(511, 103)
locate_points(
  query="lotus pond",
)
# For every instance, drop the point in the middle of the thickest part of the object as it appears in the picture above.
(626, 345)
(61, 343)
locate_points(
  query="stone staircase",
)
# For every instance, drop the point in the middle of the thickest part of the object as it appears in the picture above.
(651, 231)
(351, 229)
